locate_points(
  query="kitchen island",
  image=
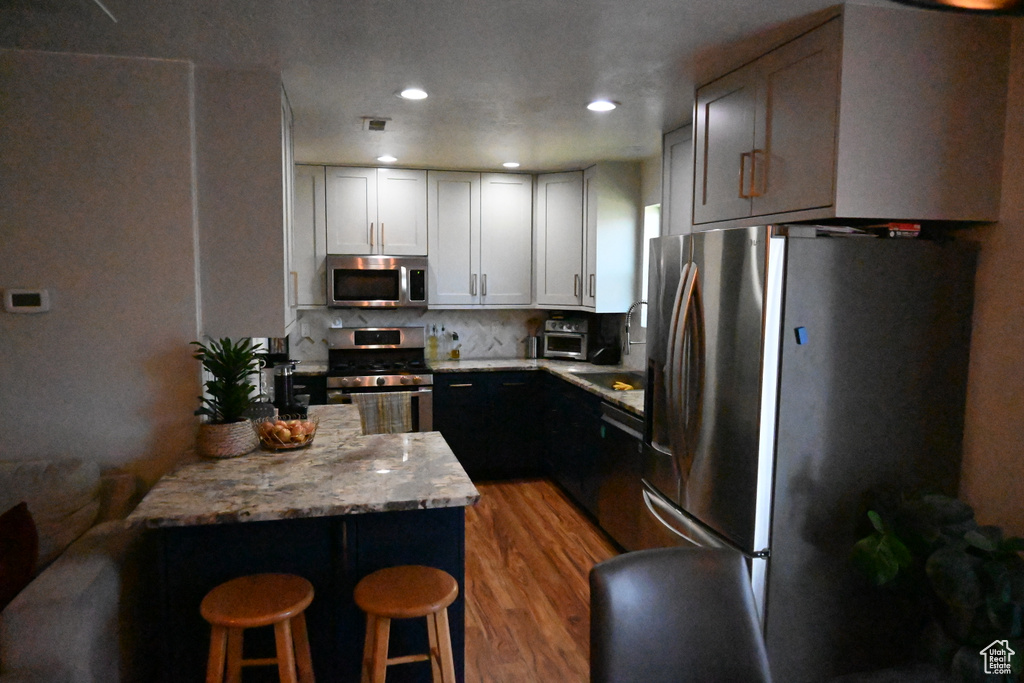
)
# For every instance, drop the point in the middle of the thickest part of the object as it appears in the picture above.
(332, 512)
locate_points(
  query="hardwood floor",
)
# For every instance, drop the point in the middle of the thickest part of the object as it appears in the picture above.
(529, 551)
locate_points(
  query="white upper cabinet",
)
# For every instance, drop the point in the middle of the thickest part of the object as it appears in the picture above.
(612, 214)
(376, 211)
(309, 237)
(586, 238)
(558, 239)
(242, 120)
(480, 229)
(843, 122)
(506, 239)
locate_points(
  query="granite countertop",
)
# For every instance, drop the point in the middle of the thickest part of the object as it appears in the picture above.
(633, 401)
(342, 472)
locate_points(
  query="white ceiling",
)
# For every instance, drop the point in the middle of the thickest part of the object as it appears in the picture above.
(508, 79)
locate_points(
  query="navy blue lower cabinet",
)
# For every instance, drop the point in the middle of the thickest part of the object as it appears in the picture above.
(333, 553)
(573, 441)
(490, 421)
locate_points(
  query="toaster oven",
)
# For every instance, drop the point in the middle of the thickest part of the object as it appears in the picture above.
(565, 338)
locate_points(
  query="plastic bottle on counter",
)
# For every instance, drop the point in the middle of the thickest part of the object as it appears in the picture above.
(455, 349)
(442, 345)
(432, 344)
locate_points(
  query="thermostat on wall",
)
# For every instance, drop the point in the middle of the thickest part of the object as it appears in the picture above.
(26, 300)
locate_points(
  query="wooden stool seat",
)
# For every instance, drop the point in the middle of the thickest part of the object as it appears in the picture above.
(277, 600)
(407, 592)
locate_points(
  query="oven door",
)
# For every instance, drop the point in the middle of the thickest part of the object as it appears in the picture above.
(422, 404)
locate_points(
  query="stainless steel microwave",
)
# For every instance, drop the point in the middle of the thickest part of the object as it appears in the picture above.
(376, 281)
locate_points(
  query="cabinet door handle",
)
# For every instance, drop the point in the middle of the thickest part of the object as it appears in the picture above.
(295, 288)
(472, 284)
(513, 384)
(371, 236)
(576, 285)
(483, 285)
(593, 283)
(382, 236)
(754, 192)
(743, 173)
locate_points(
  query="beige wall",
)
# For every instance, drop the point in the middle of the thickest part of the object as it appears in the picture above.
(96, 180)
(993, 470)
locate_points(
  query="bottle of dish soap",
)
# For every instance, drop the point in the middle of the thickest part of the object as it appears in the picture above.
(432, 344)
(455, 349)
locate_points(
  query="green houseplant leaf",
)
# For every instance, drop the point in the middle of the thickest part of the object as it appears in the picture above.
(229, 392)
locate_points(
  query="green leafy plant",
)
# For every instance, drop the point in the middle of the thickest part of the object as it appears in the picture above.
(967, 579)
(229, 392)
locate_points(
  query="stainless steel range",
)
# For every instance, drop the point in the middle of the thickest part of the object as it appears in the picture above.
(381, 359)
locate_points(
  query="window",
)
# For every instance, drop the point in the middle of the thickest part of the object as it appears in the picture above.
(652, 228)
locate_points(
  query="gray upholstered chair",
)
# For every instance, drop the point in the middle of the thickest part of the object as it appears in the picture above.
(675, 615)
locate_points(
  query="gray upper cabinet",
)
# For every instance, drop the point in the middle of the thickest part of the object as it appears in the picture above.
(559, 239)
(879, 113)
(677, 181)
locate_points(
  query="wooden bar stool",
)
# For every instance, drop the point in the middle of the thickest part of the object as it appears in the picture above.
(252, 601)
(407, 592)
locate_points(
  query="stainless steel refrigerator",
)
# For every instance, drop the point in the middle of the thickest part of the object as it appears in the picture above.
(789, 379)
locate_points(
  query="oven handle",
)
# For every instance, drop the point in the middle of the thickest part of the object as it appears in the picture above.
(424, 404)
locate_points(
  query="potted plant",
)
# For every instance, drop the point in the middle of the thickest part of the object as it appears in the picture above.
(226, 433)
(967, 581)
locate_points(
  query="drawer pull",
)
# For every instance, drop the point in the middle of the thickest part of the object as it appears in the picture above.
(455, 386)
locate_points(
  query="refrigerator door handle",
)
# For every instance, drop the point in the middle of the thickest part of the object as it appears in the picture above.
(679, 523)
(671, 403)
(687, 378)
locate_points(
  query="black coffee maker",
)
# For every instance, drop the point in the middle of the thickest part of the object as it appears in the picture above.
(284, 391)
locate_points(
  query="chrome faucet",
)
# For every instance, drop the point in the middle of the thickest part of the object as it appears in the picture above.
(629, 316)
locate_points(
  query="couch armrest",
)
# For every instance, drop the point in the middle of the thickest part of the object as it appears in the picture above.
(82, 620)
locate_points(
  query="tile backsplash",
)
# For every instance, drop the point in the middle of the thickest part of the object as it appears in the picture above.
(483, 334)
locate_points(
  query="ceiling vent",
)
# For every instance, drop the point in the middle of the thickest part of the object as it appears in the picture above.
(375, 123)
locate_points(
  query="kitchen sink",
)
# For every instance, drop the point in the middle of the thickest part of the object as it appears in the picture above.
(608, 380)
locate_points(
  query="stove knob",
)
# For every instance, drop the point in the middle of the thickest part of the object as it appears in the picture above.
(381, 381)
(356, 381)
(417, 379)
(346, 382)
(405, 379)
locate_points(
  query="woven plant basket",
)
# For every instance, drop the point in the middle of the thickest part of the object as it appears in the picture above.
(226, 440)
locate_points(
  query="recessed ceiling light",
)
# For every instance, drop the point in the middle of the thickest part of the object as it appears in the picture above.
(511, 164)
(413, 94)
(602, 105)
(387, 159)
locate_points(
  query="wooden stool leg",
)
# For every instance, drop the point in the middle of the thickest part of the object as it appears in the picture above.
(303, 658)
(444, 646)
(435, 655)
(218, 652)
(285, 651)
(381, 633)
(234, 674)
(371, 629)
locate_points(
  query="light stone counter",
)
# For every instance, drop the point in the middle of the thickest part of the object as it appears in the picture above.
(632, 401)
(341, 473)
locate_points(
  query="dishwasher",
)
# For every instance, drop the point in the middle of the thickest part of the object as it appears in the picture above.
(620, 508)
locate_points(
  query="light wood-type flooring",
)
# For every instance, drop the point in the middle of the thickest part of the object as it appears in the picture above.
(529, 551)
